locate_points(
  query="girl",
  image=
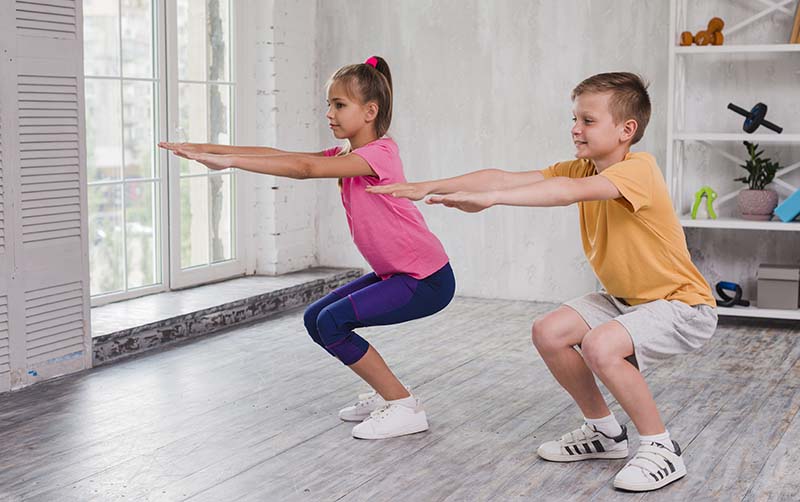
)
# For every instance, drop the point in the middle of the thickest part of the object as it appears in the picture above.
(412, 277)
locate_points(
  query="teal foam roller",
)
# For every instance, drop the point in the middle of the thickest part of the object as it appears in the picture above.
(790, 208)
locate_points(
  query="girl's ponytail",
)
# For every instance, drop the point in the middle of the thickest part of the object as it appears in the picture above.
(381, 90)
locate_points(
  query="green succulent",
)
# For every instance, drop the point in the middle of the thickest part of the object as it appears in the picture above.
(761, 171)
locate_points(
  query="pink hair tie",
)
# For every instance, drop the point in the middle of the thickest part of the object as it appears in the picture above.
(372, 61)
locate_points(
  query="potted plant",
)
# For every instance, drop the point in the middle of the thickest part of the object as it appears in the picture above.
(756, 203)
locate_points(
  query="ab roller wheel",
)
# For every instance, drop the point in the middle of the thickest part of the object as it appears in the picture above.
(755, 118)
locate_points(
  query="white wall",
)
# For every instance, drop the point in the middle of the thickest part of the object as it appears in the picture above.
(487, 84)
(287, 104)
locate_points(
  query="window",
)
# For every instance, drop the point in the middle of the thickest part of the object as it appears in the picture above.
(157, 70)
(205, 96)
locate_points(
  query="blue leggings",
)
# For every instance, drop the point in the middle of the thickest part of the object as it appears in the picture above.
(370, 301)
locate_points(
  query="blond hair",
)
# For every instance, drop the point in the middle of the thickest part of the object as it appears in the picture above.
(629, 98)
(364, 83)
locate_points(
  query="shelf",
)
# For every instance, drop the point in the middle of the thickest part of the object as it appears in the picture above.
(733, 49)
(757, 312)
(739, 224)
(753, 138)
(693, 89)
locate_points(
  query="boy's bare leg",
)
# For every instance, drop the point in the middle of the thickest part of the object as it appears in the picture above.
(605, 349)
(555, 335)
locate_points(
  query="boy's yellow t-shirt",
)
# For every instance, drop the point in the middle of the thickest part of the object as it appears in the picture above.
(635, 243)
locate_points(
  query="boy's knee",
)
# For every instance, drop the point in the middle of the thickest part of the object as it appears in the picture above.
(597, 355)
(545, 336)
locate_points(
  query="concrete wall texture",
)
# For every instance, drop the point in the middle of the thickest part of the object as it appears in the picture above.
(480, 84)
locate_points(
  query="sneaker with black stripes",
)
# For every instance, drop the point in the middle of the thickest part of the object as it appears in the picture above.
(653, 467)
(584, 444)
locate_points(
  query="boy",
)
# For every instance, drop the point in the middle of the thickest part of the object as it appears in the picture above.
(655, 302)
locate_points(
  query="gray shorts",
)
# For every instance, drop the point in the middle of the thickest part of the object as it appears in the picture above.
(659, 329)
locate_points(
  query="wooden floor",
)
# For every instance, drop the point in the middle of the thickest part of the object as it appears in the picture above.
(250, 414)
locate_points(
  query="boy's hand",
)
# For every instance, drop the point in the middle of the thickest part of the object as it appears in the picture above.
(469, 202)
(187, 147)
(411, 191)
(210, 160)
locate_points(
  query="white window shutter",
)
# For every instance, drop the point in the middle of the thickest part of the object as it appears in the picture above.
(48, 18)
(7, 145)
(5, 262)
(5, 366)
(47, 279)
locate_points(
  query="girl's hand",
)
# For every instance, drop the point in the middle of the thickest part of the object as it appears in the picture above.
(469, 202)
(411, 191)
(210, 160)
(187, 147)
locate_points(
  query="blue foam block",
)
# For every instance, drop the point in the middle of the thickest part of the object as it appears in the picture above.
(790, 208)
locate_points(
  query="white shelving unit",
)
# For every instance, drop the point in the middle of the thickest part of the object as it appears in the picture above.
(760, 313)
(722, 49)
(738, 138)
(678, 137)
(737, 224)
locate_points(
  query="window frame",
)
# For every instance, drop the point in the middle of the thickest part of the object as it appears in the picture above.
(165, 84)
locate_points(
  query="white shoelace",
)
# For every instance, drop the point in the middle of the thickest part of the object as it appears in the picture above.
(366, 399)
(380, 413)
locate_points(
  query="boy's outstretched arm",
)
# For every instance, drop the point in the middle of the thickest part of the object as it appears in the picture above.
(485, 180)
(287, 166)
(558, 191)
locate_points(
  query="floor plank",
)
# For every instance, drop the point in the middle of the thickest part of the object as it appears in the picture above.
(250, 414)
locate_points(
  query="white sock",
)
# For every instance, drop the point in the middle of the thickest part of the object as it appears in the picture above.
(607, 425)
(408, 402)
(663, 439)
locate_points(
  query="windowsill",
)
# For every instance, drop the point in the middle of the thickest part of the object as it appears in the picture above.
(133, 326)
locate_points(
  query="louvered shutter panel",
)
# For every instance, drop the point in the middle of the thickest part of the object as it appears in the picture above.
(7, 146)
(47, 304)
(5, 366)
(50, 187)
(48, 18)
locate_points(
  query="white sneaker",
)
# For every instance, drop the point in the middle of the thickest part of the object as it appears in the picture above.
(392, 420)
(584, 444)
(366, 404)
(653, 466)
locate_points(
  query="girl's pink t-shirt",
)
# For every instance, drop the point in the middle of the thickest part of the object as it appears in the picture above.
(390, 233)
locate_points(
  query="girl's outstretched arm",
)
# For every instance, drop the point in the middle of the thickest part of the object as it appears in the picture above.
(230, 149)
(485, 180)
(288, 166)
(559, 191)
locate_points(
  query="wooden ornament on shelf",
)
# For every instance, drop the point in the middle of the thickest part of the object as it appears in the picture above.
(795, 37)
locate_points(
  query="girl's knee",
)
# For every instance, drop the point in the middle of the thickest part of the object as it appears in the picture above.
(310, 318)
(332, 326)
(339, 341)
(325, 325)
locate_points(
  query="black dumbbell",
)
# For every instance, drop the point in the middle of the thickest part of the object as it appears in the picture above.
(755, 118)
